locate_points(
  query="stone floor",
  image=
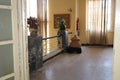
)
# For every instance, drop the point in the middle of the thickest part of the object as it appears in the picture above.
(95, 63)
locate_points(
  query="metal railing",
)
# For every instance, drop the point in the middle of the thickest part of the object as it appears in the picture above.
(50, 44)
(41, 49)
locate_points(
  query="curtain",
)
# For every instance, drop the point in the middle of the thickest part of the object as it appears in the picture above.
(42, 16)
(99, 20)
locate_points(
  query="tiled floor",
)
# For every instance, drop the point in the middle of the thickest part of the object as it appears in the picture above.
(95, 63)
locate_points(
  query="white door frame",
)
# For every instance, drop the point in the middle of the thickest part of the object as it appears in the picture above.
(23, 40)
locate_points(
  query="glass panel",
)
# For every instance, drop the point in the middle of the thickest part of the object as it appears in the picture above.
(5, 25)
(12, 78)
(5, 2)
(6, 59)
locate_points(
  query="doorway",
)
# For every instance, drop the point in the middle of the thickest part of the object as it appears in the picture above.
(82, 31)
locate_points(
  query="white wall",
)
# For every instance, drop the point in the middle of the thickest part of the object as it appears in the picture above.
(116, 64)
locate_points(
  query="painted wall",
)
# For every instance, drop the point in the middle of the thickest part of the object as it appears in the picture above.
(61, 7)
(116, 64)
(82, 17)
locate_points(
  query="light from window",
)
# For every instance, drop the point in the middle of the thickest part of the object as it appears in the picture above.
(109, 15)
(95, 14)
(32, 8)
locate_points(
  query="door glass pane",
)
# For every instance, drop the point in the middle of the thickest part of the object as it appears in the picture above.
(5, 2)
(12, 78)
(5, 25)
(6, 59)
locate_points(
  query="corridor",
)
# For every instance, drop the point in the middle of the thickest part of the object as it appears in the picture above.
(95, 63)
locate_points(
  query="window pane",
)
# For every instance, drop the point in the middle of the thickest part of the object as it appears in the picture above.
(5, 2)
(12, 78)
(5, 25)
(6, 59)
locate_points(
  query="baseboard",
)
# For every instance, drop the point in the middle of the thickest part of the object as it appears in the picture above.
(107, 45)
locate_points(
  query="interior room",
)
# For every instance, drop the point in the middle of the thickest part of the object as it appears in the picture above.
(92, 21)
(59, 40)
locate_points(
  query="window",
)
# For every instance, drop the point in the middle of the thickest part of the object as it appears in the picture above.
(100, 13)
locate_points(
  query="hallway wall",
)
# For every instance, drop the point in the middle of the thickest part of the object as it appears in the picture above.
(61, 7)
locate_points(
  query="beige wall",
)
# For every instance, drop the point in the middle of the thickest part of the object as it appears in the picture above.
(61, 7)
(83, 21)
(116, 65)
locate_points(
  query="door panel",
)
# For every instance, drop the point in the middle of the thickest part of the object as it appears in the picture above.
(5, 2)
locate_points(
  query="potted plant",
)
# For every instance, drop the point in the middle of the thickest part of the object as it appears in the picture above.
(61, 24)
